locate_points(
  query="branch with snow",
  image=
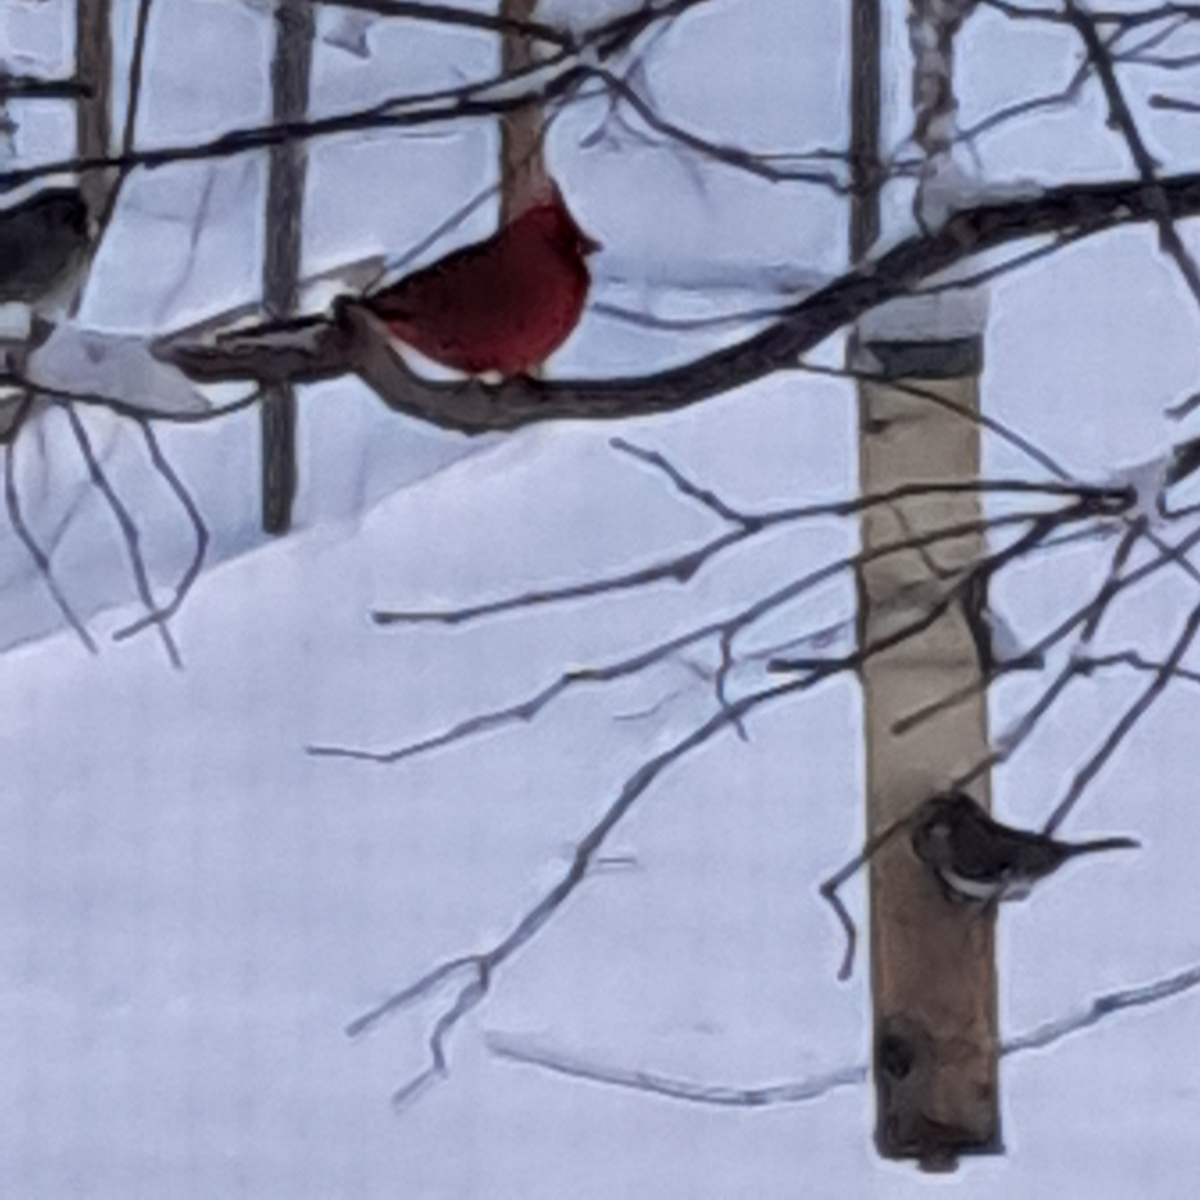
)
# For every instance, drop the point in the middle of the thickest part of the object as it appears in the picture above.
(354, 341)
(1122, 118)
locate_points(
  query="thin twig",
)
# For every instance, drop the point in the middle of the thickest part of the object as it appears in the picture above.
(192, 571)
(129, 532)
(1168, 235)
(552, 79)
(1129, 719)
(1135, 661)
(685, 486)
(484, 964)
(122, 408)
(41, 559)
(761, 165)
(1089, 614)
(523, 1050)
(682, 568)
(525, 710)
(452, 15)
(829, 889)
(1104, 1006)
(966, 412)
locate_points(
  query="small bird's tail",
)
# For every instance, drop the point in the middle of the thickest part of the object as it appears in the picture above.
(1108, 843)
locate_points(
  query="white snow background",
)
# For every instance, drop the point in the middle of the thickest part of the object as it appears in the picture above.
(192, 908)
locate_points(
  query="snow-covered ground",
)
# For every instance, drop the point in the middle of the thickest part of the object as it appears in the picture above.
(195, 908)
(192, 907)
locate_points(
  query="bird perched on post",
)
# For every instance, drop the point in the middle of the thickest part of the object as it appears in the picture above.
(502, 305)
(977, 858)
(43, 241)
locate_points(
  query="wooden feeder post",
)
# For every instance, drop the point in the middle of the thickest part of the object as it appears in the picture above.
(93, 110)
(933, 971)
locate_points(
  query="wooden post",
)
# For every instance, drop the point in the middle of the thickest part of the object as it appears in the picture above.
(290, 73)
(866, 71)
(522, 164)
(93, 111)
(932, 961)
(933, 971)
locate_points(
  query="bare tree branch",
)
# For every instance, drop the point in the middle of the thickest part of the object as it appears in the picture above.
(530, 1053)
(485, 963)
(33, 87)
(355, 341)
(192, 571)
(41, 559)
(1129, 719)
(556, 77)
(525, 710)
(454, 15)
(129, 532)
(1088, 614)
(683, 568)
(1147, 168)
(1103, 1007)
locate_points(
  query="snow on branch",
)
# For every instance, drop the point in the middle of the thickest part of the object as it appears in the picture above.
(353, 341)
(1122, 118)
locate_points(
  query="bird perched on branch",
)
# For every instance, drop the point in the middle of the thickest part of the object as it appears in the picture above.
(977, 858)
(43, 240)
(502, 305)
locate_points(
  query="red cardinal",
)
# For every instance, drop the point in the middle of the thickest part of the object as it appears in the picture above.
(504, 304)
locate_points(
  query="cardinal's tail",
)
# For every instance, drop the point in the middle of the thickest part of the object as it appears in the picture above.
(1108, 843)
(264, 330)
(384, 305)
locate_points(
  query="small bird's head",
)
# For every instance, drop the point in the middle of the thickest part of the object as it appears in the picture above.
(951, 808)
(549, 213)
(938, 819)
(66, 209)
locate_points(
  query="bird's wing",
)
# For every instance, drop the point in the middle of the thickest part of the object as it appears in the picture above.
(433, 287)
(41, 239)
(985, 849)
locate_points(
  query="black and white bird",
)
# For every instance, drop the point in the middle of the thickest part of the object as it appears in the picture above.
(44, 241)
(977, 858)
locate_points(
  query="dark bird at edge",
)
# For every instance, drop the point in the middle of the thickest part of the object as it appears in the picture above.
(43, 239)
